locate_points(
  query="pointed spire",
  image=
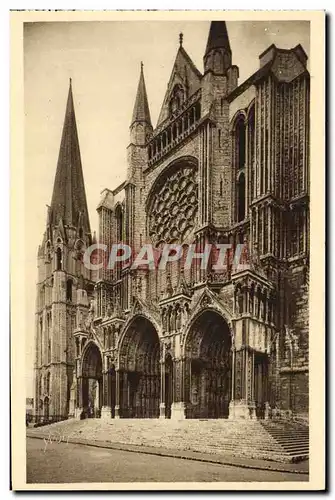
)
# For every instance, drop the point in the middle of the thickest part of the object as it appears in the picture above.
(217, 58)
(69, 197)
(218, 37)
(141, 111)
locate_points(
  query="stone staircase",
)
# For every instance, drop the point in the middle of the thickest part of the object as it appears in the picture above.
(293, 437)
(275, 441)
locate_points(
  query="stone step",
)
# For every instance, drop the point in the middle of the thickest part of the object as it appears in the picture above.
(239, 438)
(295, 447)
(289, 442)
(287, 439)
(290, 432)
(293, 438)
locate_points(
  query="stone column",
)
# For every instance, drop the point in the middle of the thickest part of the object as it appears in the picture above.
(233, 375)
(265, 382)
(124, 405)
(178, 403)
(106, 410)
(117, 394)
(162, 391)
(98, 397)
(79, 403)
(109, 388)
(242, 404)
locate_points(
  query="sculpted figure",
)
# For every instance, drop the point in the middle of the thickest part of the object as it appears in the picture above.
(178, 318)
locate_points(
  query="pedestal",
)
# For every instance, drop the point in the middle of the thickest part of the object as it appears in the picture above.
(162, 410)
(242, 410)
(178, 411)
(78, 412)
(117, 411)
(106, 413)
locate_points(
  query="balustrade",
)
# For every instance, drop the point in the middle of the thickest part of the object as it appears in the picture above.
(176, 129)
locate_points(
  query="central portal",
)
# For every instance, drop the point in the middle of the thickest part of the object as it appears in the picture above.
(208, 367)
(140, 371)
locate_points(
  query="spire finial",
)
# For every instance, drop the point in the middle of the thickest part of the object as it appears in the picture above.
(70, 82)
(141, 109)
(181, 36)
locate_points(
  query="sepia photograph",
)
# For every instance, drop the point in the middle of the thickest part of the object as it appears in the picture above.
(167, 182)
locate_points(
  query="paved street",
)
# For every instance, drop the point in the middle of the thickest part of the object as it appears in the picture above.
(73, 463)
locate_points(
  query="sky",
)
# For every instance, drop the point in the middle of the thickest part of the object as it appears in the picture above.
(103, 59)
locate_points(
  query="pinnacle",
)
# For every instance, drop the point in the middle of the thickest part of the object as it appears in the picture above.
(141, 111)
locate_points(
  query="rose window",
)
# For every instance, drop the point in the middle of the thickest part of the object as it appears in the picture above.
(174, 206)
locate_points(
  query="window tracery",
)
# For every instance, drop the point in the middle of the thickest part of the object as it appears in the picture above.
(174, 206)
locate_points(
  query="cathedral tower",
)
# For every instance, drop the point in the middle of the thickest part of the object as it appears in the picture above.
(62, 277)
(219, 79)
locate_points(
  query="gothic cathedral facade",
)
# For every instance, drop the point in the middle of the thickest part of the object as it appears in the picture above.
(226, 164)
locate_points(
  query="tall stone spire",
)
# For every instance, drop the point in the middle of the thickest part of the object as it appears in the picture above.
(217, 56)
(68, 202)
(141, 111)
(141, 127)
(218, 36)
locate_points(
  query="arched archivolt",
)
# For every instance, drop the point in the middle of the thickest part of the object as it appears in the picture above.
(209, 303)
(118, 206)
(240, 115)
(208, 354)
(216, 313)
(140, 328)
(133, 319)
(91, 361)
(139, 369)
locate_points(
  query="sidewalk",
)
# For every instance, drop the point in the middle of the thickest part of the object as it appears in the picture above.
(294, 468)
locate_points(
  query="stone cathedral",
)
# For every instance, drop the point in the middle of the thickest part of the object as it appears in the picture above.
(227, 163)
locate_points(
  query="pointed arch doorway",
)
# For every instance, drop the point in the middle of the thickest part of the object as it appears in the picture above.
(208, 367)
(139, 372)
(92, 381)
